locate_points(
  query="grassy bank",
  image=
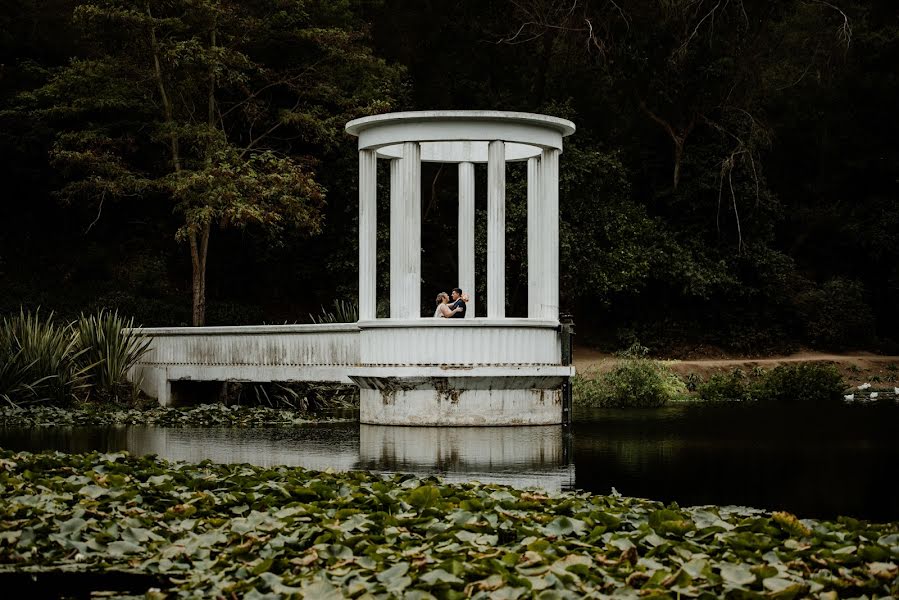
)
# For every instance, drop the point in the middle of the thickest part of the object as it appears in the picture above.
(631, 380)
(239, 531)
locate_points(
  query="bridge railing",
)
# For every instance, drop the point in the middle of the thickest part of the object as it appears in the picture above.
(326, 344)
(321, 352)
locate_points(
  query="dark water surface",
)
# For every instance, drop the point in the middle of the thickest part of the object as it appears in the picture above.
(815, 462)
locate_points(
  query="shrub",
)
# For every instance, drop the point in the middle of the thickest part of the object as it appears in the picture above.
(803, 382)
(109, 347)
(298, 396)
(637, 383)
(342, 312)
(838, 316)
(40, 360)
(721, 387)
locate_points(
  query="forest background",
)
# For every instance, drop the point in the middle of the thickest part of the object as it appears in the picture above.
(733, 186)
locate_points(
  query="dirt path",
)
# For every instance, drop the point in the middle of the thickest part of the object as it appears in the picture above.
(856, 368)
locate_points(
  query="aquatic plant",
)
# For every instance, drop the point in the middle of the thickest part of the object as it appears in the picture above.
(209, 530)
(204, 415)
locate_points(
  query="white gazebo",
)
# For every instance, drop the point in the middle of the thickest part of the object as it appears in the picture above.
(473, 371)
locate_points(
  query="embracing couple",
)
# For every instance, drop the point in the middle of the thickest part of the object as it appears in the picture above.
(451, 310)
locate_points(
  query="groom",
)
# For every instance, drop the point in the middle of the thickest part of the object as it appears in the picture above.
(458, 305)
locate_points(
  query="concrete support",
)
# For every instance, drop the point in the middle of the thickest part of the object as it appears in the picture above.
(368, 235)
(496, 230)
(396, 241)
(550, 252)
(535, 252)
(410, 253)
(466, 234)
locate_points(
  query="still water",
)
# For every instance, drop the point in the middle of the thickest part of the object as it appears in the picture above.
(815, 462)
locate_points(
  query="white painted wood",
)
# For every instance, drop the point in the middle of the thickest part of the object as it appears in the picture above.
(410, 259)
(368, 251)
(396, 241)
(496, 231)
(550, 236)
(534, 236)
(517, 375)
(458, 152)
(466, 234)
(467, 125)
(409, 344)
(266, 345)
(564, 126)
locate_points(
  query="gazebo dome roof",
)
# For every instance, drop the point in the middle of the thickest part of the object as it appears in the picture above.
(453, 136)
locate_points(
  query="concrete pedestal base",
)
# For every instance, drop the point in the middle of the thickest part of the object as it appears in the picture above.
(460, 407)
(509, 396)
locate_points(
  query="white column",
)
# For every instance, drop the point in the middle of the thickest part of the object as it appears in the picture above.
(368, 251)
(466, 234)
(496, 230)
(550, 233)
(396, 241)
(535, 220)
(410, 200)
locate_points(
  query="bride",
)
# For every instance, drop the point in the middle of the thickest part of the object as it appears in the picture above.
(443, 310)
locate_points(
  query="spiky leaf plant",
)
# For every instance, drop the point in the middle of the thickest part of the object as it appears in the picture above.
(40, 360)
(110, 347)
(343, 311)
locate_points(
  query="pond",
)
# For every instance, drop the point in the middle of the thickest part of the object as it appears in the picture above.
(813, 461)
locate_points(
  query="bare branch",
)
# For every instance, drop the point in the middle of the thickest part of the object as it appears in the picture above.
(683, 47)
(511, 39)
(623, 15)
(801, 77)
(99, 210)
(844, 31)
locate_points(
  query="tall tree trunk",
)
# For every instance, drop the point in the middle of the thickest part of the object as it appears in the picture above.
(198, 252)
(678, 138)
(166, 101)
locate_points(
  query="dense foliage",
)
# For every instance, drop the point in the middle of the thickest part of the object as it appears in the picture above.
(221, 530)
(635, 383)
(733, 179)
(43, 360)
(804, 382)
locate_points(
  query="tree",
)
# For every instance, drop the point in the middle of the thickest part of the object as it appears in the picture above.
(216, 106)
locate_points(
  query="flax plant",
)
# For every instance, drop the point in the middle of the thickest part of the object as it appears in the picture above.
(41, 360)
(343, 311)
(110, 347)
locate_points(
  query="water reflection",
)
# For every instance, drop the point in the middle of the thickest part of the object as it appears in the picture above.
(822, 461)
(519, 456)
(314, 447)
